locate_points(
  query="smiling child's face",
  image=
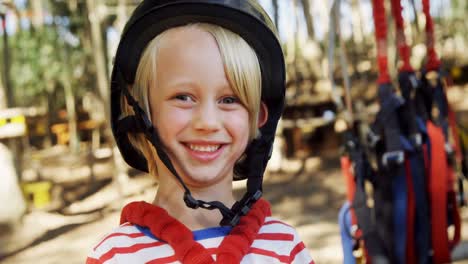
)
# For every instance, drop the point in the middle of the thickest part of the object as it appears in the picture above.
(203, 125)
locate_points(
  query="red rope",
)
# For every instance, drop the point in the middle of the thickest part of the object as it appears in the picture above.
(403, 48)
(433, 62)
(168, 229)
(380, 25)
(346, 169)
(237, 244)
(163, 226)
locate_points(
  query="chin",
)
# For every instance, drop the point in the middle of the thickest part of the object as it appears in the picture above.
(197, 179)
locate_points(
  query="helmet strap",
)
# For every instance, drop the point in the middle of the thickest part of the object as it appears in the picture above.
(254, 167)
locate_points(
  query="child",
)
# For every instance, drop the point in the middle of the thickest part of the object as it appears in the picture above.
(197, 90)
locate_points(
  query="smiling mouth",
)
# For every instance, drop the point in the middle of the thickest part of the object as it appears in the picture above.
(204, 148)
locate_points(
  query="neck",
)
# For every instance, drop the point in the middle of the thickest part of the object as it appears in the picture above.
(170, 197)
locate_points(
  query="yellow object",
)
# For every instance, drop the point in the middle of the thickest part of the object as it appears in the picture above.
(12, 123)
(463, 135)
(39, 191)
(18, 119)
(456, 72)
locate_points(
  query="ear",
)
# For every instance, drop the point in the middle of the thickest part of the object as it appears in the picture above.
(262, 115)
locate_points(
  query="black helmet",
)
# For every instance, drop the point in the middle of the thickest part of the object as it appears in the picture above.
(244, 17)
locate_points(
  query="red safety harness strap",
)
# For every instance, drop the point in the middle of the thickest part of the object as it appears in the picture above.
(433, 62)
(403, 48)
(380, 25)
(438, 193)
(346, 169)
(348, 173)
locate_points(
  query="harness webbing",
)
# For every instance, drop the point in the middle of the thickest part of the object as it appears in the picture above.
(410, 220)
(346, 168)
(418, 221)
(344, 220)
(438, 194)
(421, 223)
(391, 192)
(357, 169)
(411, 180)
(441, 242)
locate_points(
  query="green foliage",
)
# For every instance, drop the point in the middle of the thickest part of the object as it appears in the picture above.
(45, 59)
(41, 63)
(34, 64)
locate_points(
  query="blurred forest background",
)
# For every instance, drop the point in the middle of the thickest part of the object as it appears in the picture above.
(56, 59)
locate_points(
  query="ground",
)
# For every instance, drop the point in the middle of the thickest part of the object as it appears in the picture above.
(308, 200)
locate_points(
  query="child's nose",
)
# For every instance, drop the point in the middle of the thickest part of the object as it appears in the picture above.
(207, 117)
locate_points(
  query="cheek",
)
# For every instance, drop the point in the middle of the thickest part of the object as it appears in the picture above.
(238, 125)
(170, 121)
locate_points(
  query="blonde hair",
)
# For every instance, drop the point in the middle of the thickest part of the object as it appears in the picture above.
(242, 70)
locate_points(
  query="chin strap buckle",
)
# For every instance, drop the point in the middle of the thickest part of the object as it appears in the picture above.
(241, 208)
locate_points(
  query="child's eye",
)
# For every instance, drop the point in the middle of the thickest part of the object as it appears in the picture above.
(183, 97)
(229, 100)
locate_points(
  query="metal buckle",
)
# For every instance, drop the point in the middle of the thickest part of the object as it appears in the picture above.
(245, 208)
(416, 139)
(393, 158)
(372, 138)
(451, 159)
(414, 81)
(448, 148)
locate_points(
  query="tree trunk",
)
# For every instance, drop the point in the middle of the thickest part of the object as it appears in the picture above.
(343, 62)
(74, 142)
(321, 62)
(121, 15)
(3, 103)
(119, 25)
(37, 14)
(308, 18)
(275, 13)
(358, 36)
(10, 95)
(357, 22)
(65, 79)
(99, 56)
(415, 28)
(296, 50)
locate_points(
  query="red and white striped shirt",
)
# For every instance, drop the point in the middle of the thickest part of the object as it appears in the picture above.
(276, 242)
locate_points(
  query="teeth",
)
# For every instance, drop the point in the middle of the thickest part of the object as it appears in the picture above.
(203, 148)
